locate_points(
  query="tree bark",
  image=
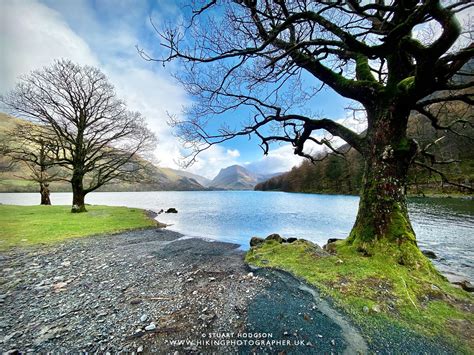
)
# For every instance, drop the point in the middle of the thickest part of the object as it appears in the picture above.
(382, 220)
(44, 191)
(78, 194)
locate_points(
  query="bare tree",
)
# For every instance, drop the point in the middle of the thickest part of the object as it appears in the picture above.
(99, 139)
(270, 58)
(36, 148)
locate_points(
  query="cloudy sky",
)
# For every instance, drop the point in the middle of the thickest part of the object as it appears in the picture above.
(105, 33)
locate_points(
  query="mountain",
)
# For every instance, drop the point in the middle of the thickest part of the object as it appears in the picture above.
(156, 179)
(200, 179)
(236, 177)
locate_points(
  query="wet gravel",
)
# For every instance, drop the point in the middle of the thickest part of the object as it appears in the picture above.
(132, 292)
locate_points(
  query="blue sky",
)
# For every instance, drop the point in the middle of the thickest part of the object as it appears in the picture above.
(104, 33)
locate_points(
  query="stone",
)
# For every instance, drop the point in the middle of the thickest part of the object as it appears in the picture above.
(140, 349)
(255, 241)
(429, 254)
(276, 237)
(138, 333)
(144, 318)
(171, 210)
(291, 240)
(212, 279)
(333, 240)
(365, 309)
(465, 285)
(150, 327)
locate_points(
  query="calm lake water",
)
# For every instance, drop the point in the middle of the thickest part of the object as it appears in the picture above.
(445, 226)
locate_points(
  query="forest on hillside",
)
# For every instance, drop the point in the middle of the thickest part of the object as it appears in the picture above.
(343, 174)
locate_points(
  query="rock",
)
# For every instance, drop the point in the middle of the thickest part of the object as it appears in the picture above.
(135, 301)
(465, 285)
(429, 254)
(276, 237)
(434, 288)
(212, 279)
(138, 333)
(140, 349)
(150, 327)
(330, 247)
(60, 286)
(254, 241)
(171, 210)
(144, 318)
(291, 240)
(365, 309)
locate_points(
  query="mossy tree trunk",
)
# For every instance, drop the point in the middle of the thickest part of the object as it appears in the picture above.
(383, 215)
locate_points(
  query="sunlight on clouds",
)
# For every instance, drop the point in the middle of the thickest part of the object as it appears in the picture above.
(32, 36)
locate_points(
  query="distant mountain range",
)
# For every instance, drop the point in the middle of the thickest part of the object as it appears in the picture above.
(234, 177)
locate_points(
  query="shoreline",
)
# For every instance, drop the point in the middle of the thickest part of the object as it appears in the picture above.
(142, 290)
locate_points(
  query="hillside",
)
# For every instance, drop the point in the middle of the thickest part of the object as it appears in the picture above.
(344, 176)
(236, 177)
(12, 179)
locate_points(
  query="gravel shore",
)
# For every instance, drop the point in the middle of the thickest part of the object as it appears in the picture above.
(132, 292)
(156, 291)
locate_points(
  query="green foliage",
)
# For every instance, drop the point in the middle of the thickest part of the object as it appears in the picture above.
(411, 297)
(30, 225)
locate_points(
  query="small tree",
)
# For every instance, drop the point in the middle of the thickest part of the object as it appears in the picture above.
(34, 147)
(99, 140)
(272, 57)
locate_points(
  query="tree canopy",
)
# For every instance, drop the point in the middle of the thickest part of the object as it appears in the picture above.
(98, 138)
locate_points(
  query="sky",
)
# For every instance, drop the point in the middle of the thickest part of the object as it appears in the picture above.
(105, 34)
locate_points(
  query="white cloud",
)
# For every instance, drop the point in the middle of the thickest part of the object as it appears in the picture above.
(278, 160)
(33, 35)
(234, 153)
(211, 161)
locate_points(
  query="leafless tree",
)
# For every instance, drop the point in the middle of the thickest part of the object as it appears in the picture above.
(270, 57)
(99, 139)
(36, 148)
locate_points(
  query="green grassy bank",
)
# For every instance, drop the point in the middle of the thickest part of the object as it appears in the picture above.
(29, 225)
(377, 293)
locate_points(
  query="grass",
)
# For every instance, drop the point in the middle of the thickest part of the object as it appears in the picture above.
(376, 291)
(32, 225)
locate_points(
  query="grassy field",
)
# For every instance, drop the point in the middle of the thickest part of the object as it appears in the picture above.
(29, 225)
(376, 292)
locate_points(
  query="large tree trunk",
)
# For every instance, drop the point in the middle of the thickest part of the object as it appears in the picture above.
(44, 191)
(382, 222)
(78, 194)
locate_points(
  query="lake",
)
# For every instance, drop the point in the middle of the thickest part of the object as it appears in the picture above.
(442, 225)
